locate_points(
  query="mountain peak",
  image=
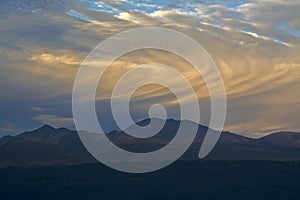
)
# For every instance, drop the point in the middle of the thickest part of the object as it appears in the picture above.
(46, 127)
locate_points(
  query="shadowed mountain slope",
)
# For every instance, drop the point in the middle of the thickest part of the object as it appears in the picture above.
(48, 145)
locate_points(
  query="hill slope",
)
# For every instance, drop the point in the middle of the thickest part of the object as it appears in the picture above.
(47, 145)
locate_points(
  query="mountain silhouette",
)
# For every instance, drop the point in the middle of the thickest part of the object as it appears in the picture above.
(48, 146)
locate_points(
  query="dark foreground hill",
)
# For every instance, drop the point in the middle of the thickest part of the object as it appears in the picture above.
(48, 146)
(184, 180)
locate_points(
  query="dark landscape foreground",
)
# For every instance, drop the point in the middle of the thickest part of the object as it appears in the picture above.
(50, 163)
(182, 180)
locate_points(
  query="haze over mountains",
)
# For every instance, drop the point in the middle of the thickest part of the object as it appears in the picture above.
(48, 146)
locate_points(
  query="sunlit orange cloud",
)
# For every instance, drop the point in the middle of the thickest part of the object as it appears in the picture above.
(251, 68)
(260, 73)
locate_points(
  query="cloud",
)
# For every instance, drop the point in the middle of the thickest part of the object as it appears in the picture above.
(79, 16)
(127, 16)
(49, 58)
(266, 38)
(278, 19)
(54, 120)
(256, 46)
(38, 109)
(8, 128)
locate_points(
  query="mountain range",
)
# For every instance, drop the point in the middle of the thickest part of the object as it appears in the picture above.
(48, 146)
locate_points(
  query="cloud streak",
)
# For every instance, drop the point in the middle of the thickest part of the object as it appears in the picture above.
(54, 120)
(255, 44)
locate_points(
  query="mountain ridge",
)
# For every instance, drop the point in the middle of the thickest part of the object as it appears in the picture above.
(48, 145)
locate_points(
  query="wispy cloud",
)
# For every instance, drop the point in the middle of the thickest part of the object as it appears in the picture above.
(255, 44)
(8, 128)
(39, 109)
(49, 58)
(54, 120)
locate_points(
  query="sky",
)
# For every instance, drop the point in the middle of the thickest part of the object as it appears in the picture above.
(255, 44)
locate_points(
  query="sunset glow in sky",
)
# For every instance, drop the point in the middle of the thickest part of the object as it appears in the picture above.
(255, 44)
